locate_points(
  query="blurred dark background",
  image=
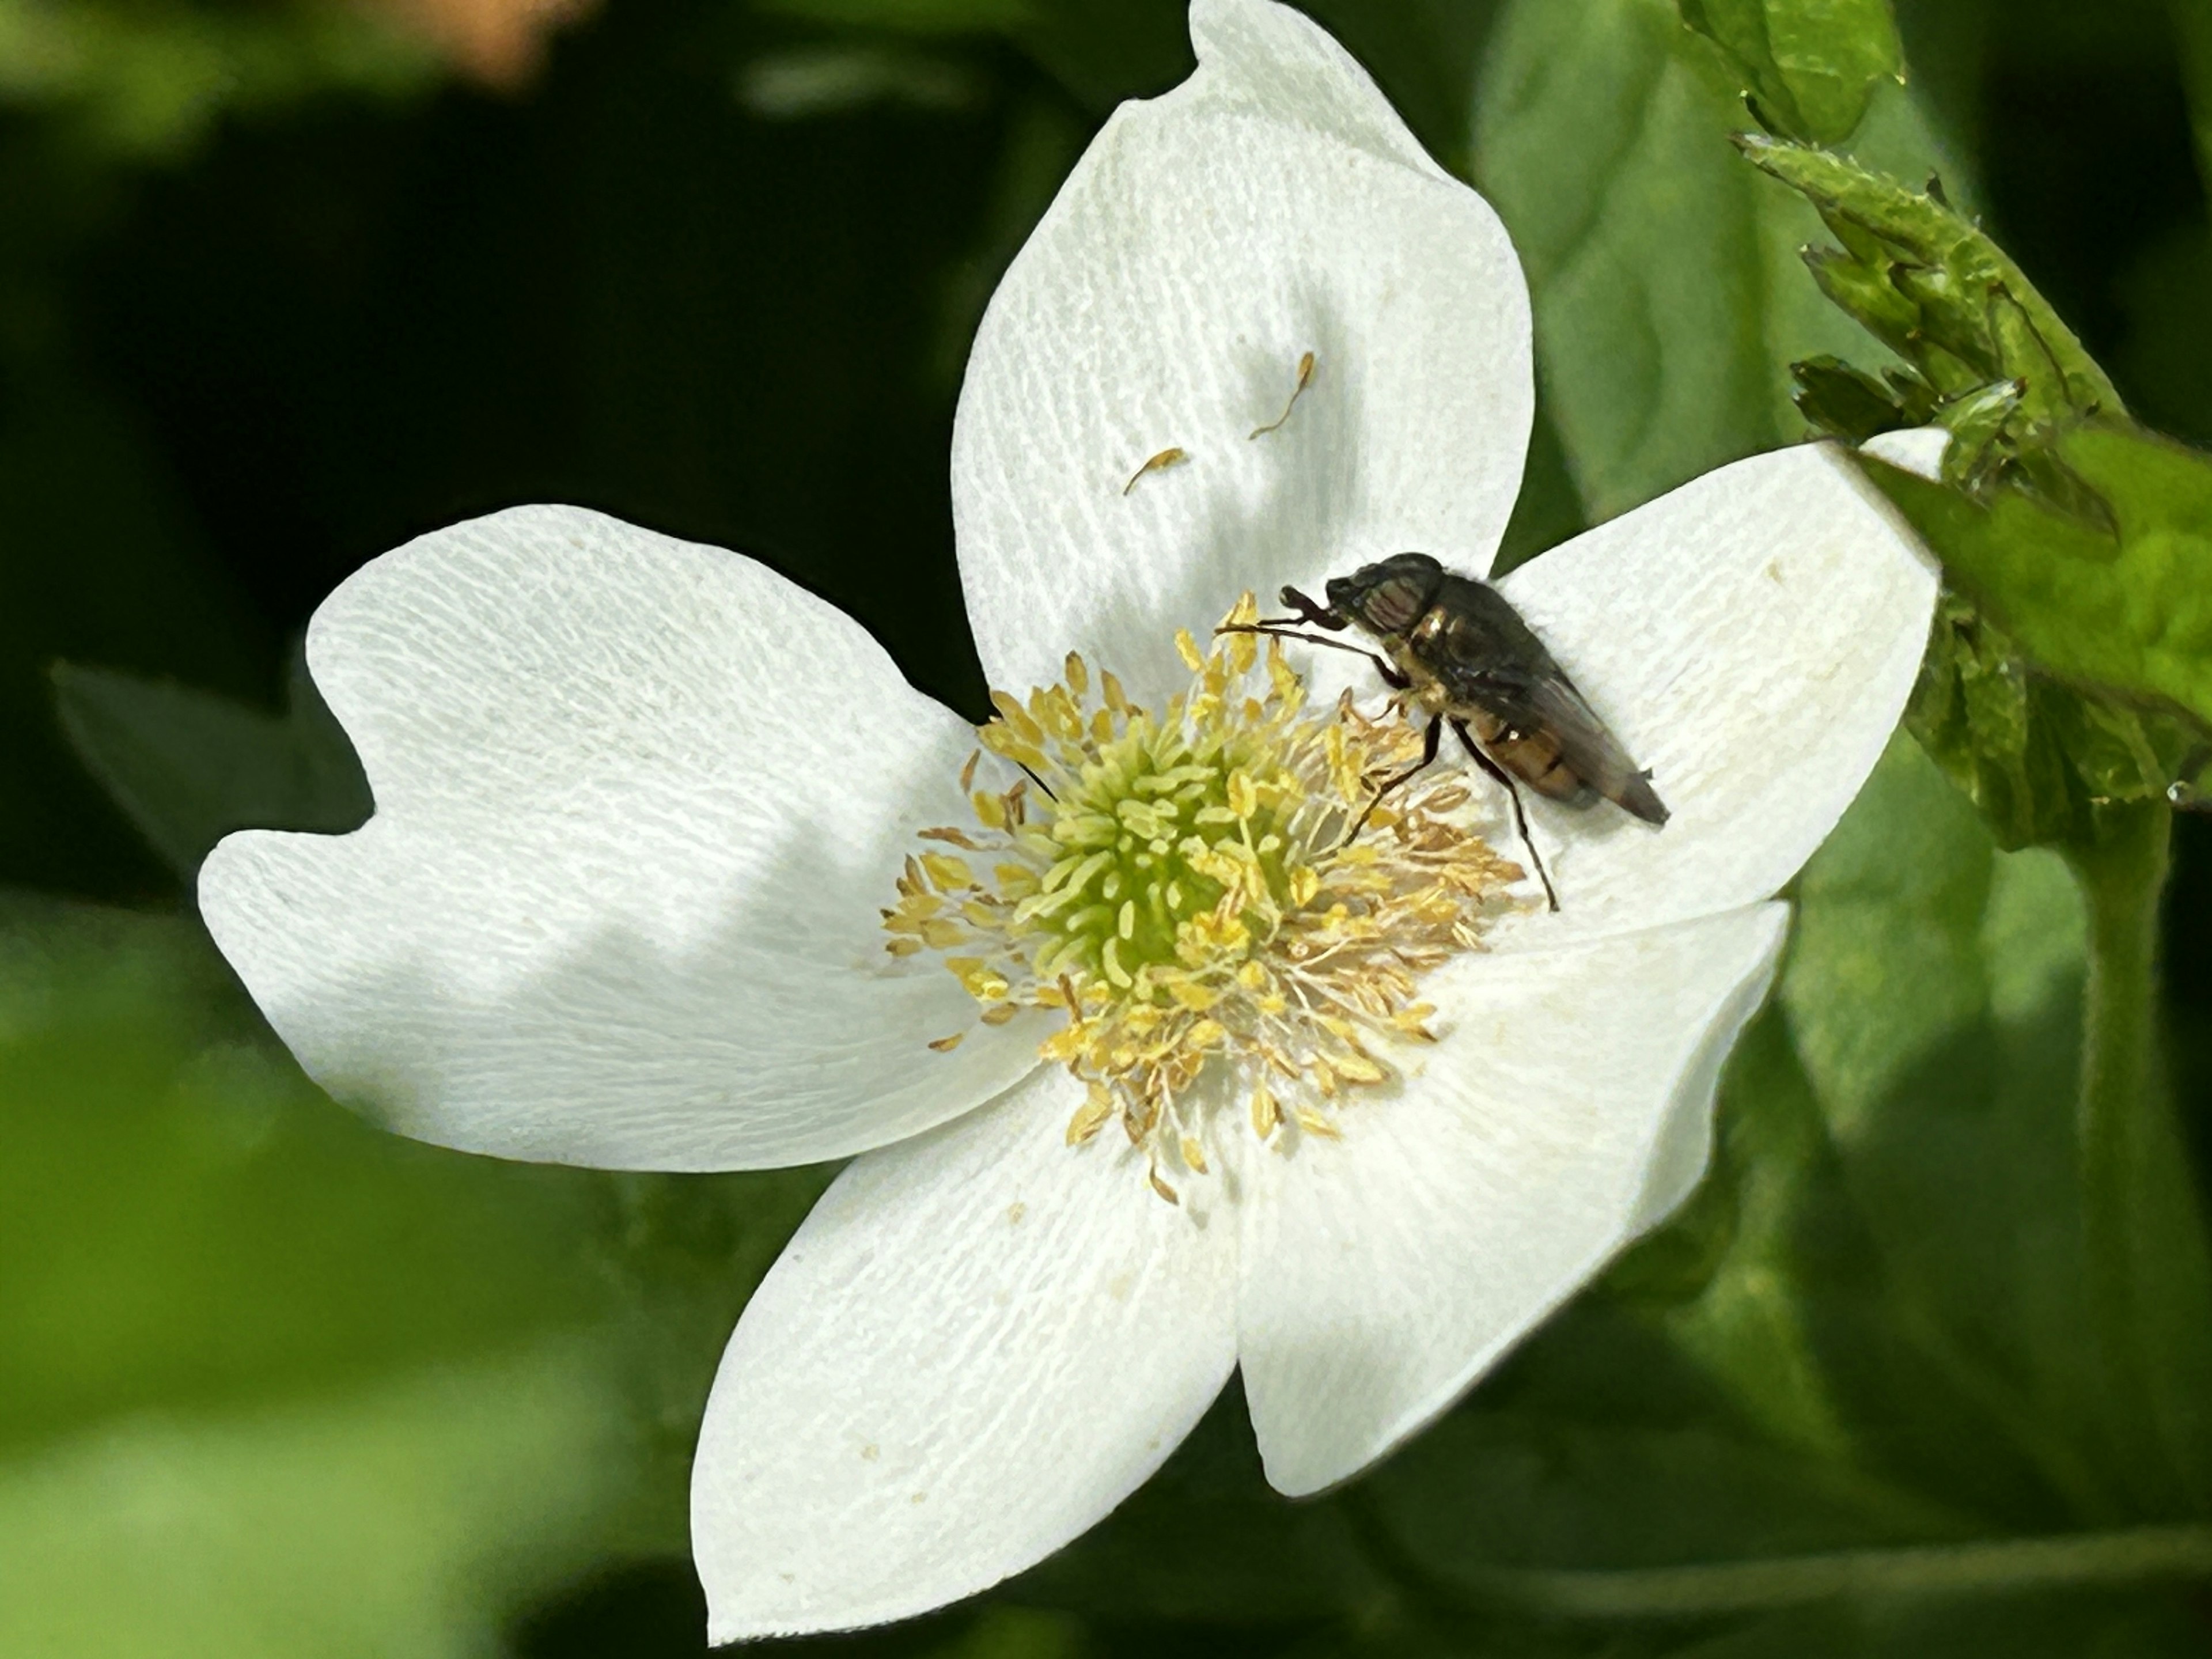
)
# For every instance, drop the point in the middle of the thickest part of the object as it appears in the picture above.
(277, 294)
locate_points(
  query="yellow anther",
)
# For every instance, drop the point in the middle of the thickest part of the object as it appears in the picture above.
(1243, 797)
(946, 872)
(1175, 892)
(1192, 995)
(1090, 1116)
(1017, 718)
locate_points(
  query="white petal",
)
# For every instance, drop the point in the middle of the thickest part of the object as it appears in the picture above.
(1918, 450)
(637, 802)
(1751, 638)
(1382, 1274)
(979, 1343)
(1271, 205)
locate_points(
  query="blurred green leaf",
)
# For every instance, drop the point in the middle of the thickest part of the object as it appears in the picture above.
(148, 80)
(331, 1391)
(1207, 1539)
(188, 767)
(911, 16)
(1812, 65)
(1662, 274)
(408, 1516)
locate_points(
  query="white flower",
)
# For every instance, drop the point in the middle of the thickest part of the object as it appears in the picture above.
(641, 806)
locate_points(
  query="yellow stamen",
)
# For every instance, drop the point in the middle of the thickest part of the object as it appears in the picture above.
(1187, 900)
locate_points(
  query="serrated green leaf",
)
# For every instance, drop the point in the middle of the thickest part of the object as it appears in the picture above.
(188, 767)
(1988, 723)
(1811, 65)
(2131, 613)
(1933, 287)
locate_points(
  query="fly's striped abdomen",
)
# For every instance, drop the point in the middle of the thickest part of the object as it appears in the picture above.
(1533, 758)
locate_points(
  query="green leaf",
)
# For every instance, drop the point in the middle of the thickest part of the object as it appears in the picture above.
(2131, 612)
(1668, 303)
(1207, 1538)
(331, 1391)
(912, 16)
(1987, 357)
(409, 1514)
(187, 766)
(147, 82)
(1811, 65)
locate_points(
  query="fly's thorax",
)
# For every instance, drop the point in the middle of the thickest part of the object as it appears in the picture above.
(1177, 890)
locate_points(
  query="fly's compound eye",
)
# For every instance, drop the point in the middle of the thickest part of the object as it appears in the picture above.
(1396, 603)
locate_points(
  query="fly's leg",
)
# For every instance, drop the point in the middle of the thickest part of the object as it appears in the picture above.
(1429, 742)
(1520, 813)
(1283, 629)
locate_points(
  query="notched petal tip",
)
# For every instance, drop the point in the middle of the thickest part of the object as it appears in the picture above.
(1270, 212)
(616, 906)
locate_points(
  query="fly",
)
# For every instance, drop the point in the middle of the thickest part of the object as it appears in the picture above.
(1469, 661)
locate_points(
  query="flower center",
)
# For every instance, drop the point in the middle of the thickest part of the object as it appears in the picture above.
(1186, 888)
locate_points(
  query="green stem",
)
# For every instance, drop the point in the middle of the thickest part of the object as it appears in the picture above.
(2142, 1240)
(2140, 1555)
(2118, 1558)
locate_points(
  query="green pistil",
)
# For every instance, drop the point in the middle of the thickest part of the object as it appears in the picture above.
(1127, 830)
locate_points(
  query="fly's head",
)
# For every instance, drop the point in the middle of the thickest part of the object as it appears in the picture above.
(1387, 598)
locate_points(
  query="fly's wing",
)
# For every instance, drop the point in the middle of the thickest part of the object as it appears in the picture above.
(1500, 667)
